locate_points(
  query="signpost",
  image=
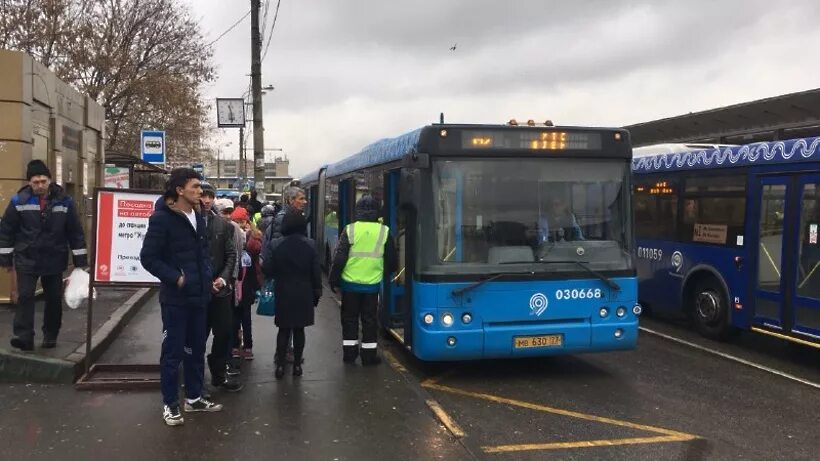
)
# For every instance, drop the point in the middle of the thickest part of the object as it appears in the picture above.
(122, 220)
(200, 169)
(120, 225)
(152, 145)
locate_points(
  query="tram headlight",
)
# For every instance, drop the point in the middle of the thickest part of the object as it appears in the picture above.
(603, 312)
(637, 309)
(447, 319)
(428, 319)
(619, 333)
(466, 317)
(451, 341)
(620, 311)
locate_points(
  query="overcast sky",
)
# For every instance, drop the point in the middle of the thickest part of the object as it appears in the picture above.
(350, 72)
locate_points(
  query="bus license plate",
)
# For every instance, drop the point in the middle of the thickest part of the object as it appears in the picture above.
(524, 342)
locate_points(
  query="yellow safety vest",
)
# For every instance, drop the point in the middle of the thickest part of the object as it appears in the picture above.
(365, 262)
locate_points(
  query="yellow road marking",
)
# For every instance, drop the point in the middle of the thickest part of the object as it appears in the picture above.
(581, 444)
(666, 436)
(391, 359)
(445, 419)
(437, 410)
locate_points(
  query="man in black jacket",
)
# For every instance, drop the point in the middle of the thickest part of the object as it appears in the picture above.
(175, 251)
(39, 226)
(220, 316)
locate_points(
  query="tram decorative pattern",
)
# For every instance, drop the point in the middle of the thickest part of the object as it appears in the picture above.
(793, 150)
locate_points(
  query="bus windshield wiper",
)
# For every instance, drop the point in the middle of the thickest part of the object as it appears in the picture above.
(462, 290)
(610, 283)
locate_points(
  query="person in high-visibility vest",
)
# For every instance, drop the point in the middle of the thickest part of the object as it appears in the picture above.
(365, 253)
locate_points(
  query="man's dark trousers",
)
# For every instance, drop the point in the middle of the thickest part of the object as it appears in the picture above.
(181, 325)
(24, 314)
(220, 322)
(357, 306)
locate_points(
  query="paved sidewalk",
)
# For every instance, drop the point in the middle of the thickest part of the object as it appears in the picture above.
(334, 412)
(63, 364)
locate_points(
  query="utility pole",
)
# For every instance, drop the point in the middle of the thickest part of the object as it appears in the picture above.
(242, 170)
(256, 87)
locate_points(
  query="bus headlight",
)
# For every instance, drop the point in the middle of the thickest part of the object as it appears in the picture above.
(603, 312)
(637, 309)
(466, 318)
(428, 319)
(447, 319)
(620, 311)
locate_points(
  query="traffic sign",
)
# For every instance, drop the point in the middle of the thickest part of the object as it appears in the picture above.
(152, 146)
(199, 168)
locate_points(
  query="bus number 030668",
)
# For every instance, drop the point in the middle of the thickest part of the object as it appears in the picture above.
(589, 293)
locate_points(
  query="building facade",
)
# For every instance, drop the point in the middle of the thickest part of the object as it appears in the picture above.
(228, 174)
(42, 117)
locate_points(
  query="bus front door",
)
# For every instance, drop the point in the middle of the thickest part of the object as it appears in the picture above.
(787, 285)
(395, 313)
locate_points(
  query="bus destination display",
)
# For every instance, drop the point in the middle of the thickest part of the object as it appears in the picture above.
(530, 139)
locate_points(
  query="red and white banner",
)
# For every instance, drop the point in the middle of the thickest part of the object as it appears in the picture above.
(122, 220)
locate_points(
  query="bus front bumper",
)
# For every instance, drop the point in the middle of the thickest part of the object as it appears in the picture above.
(512, 341)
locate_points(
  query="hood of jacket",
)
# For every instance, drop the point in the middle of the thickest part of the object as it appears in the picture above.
(268, 211)
(367, 209)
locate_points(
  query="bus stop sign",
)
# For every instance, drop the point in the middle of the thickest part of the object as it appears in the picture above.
(153, 147)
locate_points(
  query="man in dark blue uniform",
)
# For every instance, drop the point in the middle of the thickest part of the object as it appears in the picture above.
(37, 230)
(176, 251)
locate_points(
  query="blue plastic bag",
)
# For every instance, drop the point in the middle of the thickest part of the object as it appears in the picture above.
(266, 306)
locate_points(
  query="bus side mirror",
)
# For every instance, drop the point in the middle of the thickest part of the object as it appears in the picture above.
(409, 188)
(415, 160)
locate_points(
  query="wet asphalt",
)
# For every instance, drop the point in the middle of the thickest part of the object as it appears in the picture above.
(663, 400)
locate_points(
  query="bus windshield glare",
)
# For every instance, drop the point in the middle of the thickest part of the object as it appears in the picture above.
(496, 215)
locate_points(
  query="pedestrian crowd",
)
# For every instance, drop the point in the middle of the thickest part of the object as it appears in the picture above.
(212, 256)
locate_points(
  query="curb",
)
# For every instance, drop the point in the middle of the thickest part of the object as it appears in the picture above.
(22, 367)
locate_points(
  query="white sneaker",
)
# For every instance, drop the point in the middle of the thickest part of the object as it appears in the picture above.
(172, 416)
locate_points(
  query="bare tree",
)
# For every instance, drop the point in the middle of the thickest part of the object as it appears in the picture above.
(144, 61)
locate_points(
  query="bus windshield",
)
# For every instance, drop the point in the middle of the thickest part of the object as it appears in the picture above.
(492, 215)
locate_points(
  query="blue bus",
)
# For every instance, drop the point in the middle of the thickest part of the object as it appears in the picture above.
(514, 241)
(728, 235)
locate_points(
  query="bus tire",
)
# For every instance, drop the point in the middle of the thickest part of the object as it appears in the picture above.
(710, 309)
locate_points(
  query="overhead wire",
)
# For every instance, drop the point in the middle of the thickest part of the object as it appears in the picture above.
(230, 28)
(270, 34)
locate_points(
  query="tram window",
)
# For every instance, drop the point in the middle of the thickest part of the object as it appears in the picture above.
(808, 276)
(656, 209)
(717, 220)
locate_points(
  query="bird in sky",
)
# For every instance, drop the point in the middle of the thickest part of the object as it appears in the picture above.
(453, 48)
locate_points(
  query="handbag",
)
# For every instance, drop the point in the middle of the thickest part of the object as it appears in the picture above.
(266, 306)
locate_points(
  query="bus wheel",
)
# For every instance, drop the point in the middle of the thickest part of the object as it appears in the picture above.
(710, 310)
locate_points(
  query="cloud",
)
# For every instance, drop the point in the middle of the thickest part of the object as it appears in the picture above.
(349, 73)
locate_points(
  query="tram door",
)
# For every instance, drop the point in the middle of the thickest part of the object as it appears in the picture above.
(787, 286)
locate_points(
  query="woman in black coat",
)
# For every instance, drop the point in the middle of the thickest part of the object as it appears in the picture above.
(293, 263)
